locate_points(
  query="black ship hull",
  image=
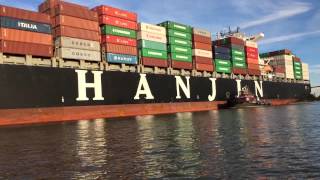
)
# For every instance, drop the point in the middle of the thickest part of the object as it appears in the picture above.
(30, 87)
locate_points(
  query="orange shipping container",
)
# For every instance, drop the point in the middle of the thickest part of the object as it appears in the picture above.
(120, 49)
(204, 67)
(203, 46)
(253, 66)
(23, 48)
(25, 36)
(76, 33)
(24, 14)
(76, 23)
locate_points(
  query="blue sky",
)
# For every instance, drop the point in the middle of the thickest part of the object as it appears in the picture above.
(292, 24)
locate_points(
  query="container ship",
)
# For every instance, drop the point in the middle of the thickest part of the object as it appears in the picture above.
(69, 62)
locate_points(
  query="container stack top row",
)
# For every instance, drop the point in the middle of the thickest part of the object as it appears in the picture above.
(71, 31)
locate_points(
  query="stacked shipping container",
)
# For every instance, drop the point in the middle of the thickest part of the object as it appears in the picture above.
(281, 62)
(75, 30)
(237, 54)
(252, 57)
(202, 50)
(119, 33)
(25, 32)
(179, 44)
(297, 68)
(222, 58)
(152, 42)
(305, 71)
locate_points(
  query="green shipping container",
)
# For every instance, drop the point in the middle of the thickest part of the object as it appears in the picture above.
(223, 69)
(297, 68)
(297, 64)
(179, 42)
(298, 73)
(181, 57)
(154, 53)
(179, 49)
(179, 34)
(176, 26)
(239, 64)
(235, 52)
(239, 58)
(298, 76)
(112, 30)
(152, 45)
(221, 62)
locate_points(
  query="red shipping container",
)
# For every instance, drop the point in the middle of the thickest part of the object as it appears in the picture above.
(75, 10)
(202, 60)
(120, 49)
(280, 52)
(251, 50)
(48, 4)
(25, 36)
(254, 72)
(181, 65)
(279, 69)
(76, 33)
(204, 67)
(252, 55)
(203, 46)
(202, 39)
(253, 66)
(119, 40)
(252, 61)
(23, 48)
(154, 62)
(24, 14)
(113, 21)
(229, 40)
(115, 12)
(296, 59)
(76, 23)
(241, 71)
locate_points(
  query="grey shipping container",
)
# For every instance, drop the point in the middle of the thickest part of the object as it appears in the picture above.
(77, 43)
(78, 54)
(13, 23)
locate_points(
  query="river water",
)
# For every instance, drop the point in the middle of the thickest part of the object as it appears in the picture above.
(266, 142)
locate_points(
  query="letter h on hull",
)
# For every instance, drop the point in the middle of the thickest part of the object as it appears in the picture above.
(83, 85)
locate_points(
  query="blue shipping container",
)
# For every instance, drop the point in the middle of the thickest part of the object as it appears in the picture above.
(221, 50)
(12, 23)
(121, 59)
(222, 56)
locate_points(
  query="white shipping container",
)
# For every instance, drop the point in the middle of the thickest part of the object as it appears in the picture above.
(78, 54)
(75, 43)
(202, 53)
(280, 75)
(201, 32)
(152, 28)
(305, 72)
(152, 37)
(251, 44)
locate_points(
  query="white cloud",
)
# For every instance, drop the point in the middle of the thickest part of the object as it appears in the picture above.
(289, 37)
(286, 11)
(314, 69)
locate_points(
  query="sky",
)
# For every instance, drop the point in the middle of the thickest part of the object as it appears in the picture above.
(291, 24)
